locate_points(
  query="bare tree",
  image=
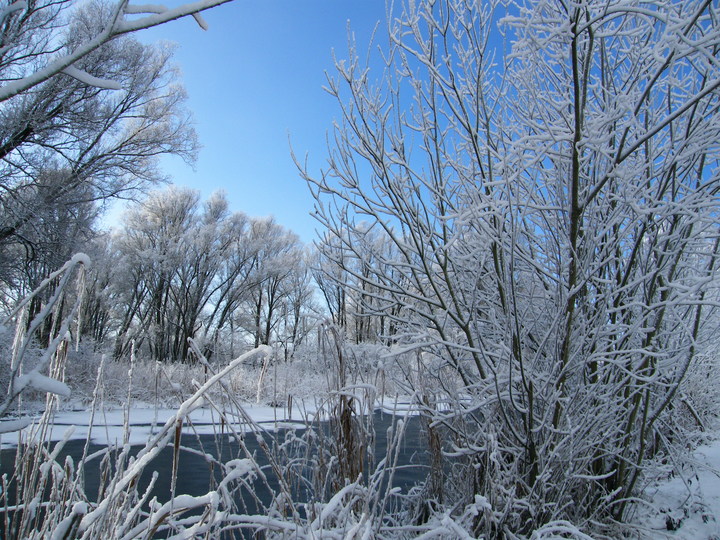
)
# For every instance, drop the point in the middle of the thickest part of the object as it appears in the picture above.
(552, 204)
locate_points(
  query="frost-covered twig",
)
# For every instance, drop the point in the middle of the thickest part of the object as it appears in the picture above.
(156, 444)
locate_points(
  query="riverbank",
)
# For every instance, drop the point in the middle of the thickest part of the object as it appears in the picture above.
(107, 426)
(680, 500)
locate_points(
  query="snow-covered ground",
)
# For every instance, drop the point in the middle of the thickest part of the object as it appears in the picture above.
(686, 504)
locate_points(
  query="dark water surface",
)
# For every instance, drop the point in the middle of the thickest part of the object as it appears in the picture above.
(196, 475)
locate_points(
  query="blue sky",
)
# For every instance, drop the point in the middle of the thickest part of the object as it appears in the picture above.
(255, 81)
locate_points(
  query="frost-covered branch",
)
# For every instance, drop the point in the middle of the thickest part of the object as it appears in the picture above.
(159, 441)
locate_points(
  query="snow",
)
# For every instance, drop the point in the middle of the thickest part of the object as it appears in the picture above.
(145, 422)
(145, 8)
(687, 500)
(160, 17)
(122, 26)
(237, 469)
(85, 78)
(201, 22)
(8, 426)
(63, 528)
(41, 382)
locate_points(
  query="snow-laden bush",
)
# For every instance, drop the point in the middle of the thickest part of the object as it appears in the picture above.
(526, 194)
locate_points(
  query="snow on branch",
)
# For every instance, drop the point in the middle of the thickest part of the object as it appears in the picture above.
(201, 22)
(25, 333)
(91, 80)
(145, 8)
(161, 14)
(116, 26)
(9, 426)
(75, 260)
(41, 382)
(12, 8)
(160, 9)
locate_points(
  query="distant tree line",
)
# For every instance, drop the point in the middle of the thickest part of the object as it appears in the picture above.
(179, 268)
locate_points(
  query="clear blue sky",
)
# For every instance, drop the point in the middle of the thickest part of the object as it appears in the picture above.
(254, 80)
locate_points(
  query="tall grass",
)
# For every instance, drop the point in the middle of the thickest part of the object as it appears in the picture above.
(323, 480)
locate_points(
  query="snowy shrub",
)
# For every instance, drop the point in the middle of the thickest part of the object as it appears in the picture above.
(698, 404)
(526, 196)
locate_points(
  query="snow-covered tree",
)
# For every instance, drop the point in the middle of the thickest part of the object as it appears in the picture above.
(347, 278)
(327, 264)
(186, 269)
(235, 278)
(83, 102)
(157, 245)
(547, 174)
(299, 313)
(99, 313)
(278, 258)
